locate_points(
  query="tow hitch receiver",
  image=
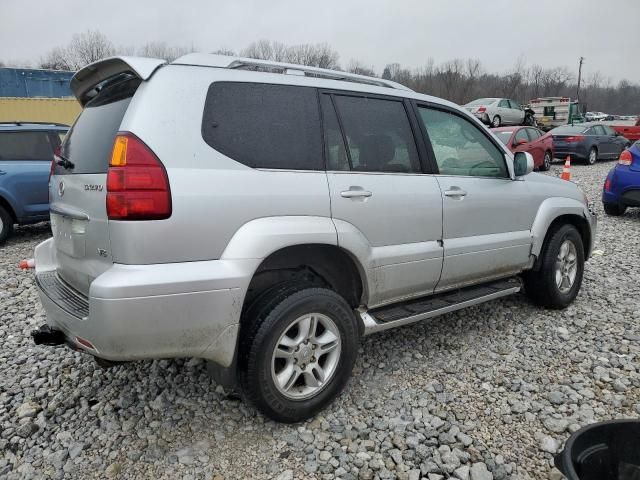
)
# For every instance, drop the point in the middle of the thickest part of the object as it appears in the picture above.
(46, 336)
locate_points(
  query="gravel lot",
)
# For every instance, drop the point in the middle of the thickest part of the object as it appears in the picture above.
(488, 392)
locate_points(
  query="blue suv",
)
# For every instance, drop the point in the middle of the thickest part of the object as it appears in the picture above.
(26, 152)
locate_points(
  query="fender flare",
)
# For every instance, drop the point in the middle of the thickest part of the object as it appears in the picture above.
(549, 210)
(259, 238)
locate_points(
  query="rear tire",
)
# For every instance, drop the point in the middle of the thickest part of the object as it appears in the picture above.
(557, 282)
(614, 209)
(6, 225)
(546, 161)
(592, 158)
(496, 122)
(280, 369)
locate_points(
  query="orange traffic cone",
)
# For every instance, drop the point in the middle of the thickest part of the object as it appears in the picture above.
(566, 170)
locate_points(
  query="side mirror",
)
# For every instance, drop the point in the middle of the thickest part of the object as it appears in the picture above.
(517, 143)
(522, 164)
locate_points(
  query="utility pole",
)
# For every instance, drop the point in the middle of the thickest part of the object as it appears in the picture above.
(579, 78)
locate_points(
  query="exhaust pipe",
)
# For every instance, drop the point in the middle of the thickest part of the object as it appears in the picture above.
(47, 336)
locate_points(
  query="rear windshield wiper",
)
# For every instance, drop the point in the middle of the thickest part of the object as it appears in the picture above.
(64, 162)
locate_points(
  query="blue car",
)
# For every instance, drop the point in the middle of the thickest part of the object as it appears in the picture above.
(26, 153)
(622, 186)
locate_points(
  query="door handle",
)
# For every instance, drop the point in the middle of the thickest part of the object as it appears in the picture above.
(455, 192)
(354, 192)
(2, 172)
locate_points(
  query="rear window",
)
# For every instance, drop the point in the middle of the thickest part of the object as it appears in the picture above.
(482, 101)
(570, 129)
(89, 143)
(503, 136)
(264, 126)
(25, 146)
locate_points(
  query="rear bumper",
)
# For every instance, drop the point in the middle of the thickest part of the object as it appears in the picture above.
(134, 312)
(575, 152)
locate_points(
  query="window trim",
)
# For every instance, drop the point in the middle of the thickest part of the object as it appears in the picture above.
(445, 108)
(415, 132)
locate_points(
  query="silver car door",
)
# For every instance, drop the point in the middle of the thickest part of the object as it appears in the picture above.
(382, 204)
(487, 216)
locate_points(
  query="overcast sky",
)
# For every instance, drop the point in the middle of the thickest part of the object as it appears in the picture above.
(376, 32)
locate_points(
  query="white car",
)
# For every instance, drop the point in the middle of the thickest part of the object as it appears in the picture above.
(499, 111)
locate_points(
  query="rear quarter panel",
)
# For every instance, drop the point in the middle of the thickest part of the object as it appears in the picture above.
(213, 196)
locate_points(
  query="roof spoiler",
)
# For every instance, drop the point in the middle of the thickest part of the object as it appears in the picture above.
(86, 79)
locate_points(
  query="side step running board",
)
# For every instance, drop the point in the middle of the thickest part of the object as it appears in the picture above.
(412, 311)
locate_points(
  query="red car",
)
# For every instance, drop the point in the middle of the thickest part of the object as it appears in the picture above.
(528, 139)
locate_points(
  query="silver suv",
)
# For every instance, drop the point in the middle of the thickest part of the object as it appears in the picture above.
(265, 216)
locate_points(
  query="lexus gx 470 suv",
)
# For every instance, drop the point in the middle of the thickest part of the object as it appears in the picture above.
(265, 216)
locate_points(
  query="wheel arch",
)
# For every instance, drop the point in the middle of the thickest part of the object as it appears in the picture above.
(554, 213)
(6, 204)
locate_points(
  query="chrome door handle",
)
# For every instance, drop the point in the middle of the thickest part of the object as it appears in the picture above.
(455, 192)
(355, 193)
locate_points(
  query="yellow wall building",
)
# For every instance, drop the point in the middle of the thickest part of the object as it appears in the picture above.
(55, 110)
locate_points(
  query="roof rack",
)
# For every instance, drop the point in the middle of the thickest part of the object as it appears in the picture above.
(223, 61)
(24, 122)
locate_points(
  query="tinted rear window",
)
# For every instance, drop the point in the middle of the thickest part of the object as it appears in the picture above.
(264, 126)
(89, 143)
(25, 146)
(568, 129)
(503, 136)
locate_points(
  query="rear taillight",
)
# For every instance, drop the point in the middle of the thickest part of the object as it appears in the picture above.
(625, 158)
(137, 183)
(482, 109)
(574, 138)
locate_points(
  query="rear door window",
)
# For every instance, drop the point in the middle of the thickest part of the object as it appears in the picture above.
(378, 134)
(533, 134)
(263, 125)
(89, 143)
(504, 103)
(35, 145)
(521, 135)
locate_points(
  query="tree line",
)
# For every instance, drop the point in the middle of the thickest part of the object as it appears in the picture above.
(458, 80)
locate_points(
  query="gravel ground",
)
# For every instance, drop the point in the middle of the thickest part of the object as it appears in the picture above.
(488, 392)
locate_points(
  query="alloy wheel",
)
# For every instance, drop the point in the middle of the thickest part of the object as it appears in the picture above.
(566, 266)
(306, 356)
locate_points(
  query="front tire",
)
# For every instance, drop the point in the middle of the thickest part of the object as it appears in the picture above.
(556, 283)
(496, 122)
(592, 158)
(6, 224)
(614, 209)
(298, 351)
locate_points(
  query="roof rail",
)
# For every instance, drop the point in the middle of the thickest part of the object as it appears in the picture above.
(25, 122)
(212, 60)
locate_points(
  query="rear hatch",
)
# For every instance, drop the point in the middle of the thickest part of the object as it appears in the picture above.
(77, 189)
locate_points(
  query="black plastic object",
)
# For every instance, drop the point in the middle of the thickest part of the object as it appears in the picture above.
(47, 336)
(602, 451)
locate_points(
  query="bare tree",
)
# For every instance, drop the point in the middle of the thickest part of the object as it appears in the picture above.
(83, 49)
(318, 55)
(162, 50)
(356, 67)
(89, 47)
(224, 51)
